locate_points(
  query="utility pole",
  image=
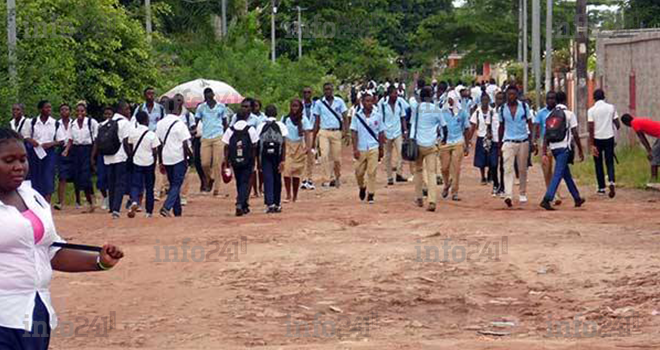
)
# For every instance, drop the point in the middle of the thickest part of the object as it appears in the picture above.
(272, 31)
(525, 56)
(582, 54)
(548, 47)
(299, 32)
(224, 18)
(147, 10)
(520, 29)
(11, 44)
(536, 48)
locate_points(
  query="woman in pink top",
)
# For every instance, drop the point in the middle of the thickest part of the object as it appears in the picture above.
(27, 259)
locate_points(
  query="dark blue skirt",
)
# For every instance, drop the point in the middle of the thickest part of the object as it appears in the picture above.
(37, 339)
(101, 174)
(81, 166)
(480, 155)
(64, 167)
(42, 172)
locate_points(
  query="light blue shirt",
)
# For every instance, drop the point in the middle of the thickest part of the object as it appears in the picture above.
(293, 135)
(253, 120)
(308, 112)
(515, 129)
(431, 121)
(367, 142)
(541, 116)
(157, 113)
(456, 125)
(212, 120)
(392, 118)
(328, 120)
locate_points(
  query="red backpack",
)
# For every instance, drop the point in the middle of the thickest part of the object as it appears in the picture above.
(556, 126)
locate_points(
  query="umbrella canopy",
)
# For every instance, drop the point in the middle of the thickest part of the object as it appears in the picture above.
(193, 92)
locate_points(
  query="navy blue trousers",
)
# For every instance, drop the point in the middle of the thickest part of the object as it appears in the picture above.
(37, 339)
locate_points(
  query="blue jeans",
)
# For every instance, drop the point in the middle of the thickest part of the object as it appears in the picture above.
(116, 185)
(175, 175)
(562, 171)
(143, 179)
(242, 178)
(272, 181)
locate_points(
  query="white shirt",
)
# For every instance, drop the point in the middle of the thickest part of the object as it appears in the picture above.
(480, 119)
(124, 129)
(602, 114)
(84, 135)
(240, 125)
(572, 122)
(494, 123)
(173, 152)
(25, 268)
(66, 128)
(45, 132)
(491, 90)
(476, 93)
(143, 155)
(283, 129)
(24, 125)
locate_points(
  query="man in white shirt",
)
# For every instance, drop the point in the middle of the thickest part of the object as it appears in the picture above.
(563, 153)
(602, 118)
(144, 144)
(240, 152)
(492, 89)
(116, 163)
(272, 154)
(174, 152)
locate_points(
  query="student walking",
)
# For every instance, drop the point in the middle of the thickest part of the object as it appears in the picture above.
(272, 156)
(154, 110)
(454, 147)
(539, 120)
(112, 143)
(602, 118)
(643, 127)
(393, 111)
(64, 162)
(298, 148)
(480, 122)
(240, 151)
(308, 112)
(144, 144)
(561, 135)
(98, 165)
(46, 134)
(427, 122)
(82, 134)
(493, 152)
(331, 124)
(19, 122)
(514, 125)
(214, 123)
(368, 136)
(173, 155)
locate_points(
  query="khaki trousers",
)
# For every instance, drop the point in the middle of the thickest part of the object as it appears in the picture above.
(330, 145)
(212, 153)
(427, 161)
(451, 157)
(393, 156)
(548, 170)
(367, 165)
(510, 152)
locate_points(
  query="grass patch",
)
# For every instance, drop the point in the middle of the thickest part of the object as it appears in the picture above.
(633, 169)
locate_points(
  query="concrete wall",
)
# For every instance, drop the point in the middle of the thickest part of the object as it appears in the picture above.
(622, 54)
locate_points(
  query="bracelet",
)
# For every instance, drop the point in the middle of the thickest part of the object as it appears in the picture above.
(100, 265)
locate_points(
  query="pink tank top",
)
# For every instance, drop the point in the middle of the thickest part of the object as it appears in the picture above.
(37, 225)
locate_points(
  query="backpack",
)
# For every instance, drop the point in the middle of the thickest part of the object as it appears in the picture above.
(108, 138)
(240, 148)
(556, 126)
(271, 141)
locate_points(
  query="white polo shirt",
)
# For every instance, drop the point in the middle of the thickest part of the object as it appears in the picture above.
(45, 132)
(144, 154)
(86, 134)
(23, 125)
(124, 129)
(173, 152)
(25, 268)
(571, 122)
(602, 114)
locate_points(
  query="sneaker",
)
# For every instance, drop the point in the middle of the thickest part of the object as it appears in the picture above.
(579, 202)
(501, 194)
(165, 213)
(370, 198)
(303, 185)
(239, 212)
(133, 210)
(310, 185)
(546, 205)
(105, 203)
(508, 202)
(277, 208)
(78, 206)
(115, 215)
(400, 178)
(431, 207)
(494, 193)
(363, 193)
(419, 202)
(612, 190)
(148, 215)
(246, 210)
(184, 202)
(600, 192)
(390, 182)
(523, 199)
(57, 206)
(269, 209)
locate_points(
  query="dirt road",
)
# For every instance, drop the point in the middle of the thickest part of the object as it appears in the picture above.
(331, 272)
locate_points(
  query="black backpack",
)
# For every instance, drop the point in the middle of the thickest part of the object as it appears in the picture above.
(556, 126)
(271, 141)
(107, 140)
(240, 148)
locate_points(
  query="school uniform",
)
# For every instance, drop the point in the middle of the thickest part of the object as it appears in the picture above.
(548, 167)
(27, 316)
(80, 153)
(22, 126)
(480, 119)
(156, 113)
(515, 146)
(308, 113)
(368, 146)
(561, 151)
(253, 120)
(188, 119)
(116, 166)
(172, 134)
(452, 153)
(393, 119)
(270, 166)
(427, 122)
(101, 168)
(144, 143)
(64, 164)
(603, 114)
(242, 175)
(296, 159)
(197, 154)
(330, 133)
(42, 173)
(493, 124)
(212, 147)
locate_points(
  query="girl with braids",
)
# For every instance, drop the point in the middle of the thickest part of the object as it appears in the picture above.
(27, 259)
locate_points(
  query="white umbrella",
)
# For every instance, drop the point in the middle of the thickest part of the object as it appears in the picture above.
(193, 92)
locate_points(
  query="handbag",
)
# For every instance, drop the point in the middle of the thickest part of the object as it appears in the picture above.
(409, 148)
